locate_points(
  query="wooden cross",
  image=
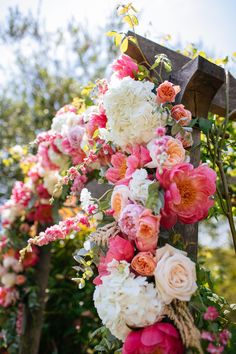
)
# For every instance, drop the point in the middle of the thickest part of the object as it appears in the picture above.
(202, 90)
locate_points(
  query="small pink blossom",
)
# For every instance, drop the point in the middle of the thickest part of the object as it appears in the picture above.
(125, 66)
(208, 336)
(211, 314)
(21, 194)
(225, 336)
(215, 349)
(160, 131)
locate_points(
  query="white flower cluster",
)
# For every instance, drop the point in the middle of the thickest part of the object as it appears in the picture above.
(138, 185)
(86, 200)
(61, 123)
(132, 112)
(124, 301)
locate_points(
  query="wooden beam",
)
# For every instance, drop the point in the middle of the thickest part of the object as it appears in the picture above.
(178, 60)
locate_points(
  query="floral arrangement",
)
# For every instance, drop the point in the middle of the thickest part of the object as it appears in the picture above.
(133, 139)
(147, 288)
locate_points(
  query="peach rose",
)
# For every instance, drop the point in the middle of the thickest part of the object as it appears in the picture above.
(181, 115)
(148, 229)
(119, 199)
(175, 152)
(186, 139)
(166, 92)
(144, 263)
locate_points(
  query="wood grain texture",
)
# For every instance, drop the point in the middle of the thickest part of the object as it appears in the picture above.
(178, 60)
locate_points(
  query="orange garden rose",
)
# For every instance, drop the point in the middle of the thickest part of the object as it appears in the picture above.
(166, 92)
(181, 115)
(148, 230)
(144, 263)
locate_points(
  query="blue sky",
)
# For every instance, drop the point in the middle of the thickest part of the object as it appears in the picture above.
(211, 22)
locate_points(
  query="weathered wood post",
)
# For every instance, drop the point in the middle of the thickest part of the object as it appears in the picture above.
(202, 90)
(33, 318)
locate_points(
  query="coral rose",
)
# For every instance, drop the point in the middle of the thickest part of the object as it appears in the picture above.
(175, 152)
(175, 274)
(181, 115)
(166, 92)
(188, 192)
(119, 199)
(159, 338)
(144, 263)
(147, 231)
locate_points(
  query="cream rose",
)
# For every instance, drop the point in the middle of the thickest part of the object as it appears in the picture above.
(175, 274)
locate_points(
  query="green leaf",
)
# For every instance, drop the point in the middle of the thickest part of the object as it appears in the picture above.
(205, 125)
(155, 200)
(124, 45)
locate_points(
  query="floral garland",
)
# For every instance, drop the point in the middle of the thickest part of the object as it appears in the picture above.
(146, 289)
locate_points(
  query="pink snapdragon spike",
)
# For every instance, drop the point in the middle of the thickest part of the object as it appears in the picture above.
(125, 66)
(120, 250)
(211, 314)
(160, 338)
(215, 349)
(188, 193)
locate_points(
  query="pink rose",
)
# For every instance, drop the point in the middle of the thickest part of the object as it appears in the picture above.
(181, 115)
(125, 66)
(166, 92)
(188, 193)
(129, 219)
(147, 231)
(160, 338)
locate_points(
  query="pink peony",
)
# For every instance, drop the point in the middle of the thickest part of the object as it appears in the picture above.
(139, 157)
(166, 92)
(211, 314)
(129, 220)
(117, 172)
(160, 338)
(120, 250)
(125, 66)
(148, 230)
(188, 192)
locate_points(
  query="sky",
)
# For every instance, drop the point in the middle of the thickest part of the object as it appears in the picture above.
(211, 22)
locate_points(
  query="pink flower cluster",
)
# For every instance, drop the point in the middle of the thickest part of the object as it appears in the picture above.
(60, 231)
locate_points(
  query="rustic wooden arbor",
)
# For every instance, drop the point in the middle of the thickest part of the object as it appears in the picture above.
(202, 91)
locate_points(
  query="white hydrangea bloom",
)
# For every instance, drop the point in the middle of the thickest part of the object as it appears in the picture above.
(124, 300)
(132, 112)
(63, 122)
(139, 184)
